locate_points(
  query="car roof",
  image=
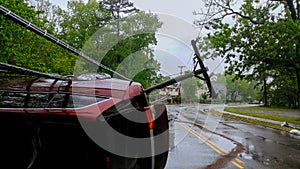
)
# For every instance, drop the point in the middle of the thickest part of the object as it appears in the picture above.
(105, 87)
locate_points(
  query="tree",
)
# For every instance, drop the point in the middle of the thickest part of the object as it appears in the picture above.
(116, 8)
(10, 34)
(259, 42)
(284, 89)
(190, 88)
(83, 26)
(24, 48)
(237, 89)
(80, 21)
(90, 27)
(130, 51)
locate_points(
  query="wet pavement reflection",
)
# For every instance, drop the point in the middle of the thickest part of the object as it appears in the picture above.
(195, 147)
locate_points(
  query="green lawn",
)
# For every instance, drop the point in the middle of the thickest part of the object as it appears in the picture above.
(241, 110)
(266, 124)
(265, 108)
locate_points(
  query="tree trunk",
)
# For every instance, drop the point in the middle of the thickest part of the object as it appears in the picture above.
(265, 93)
(298, 89)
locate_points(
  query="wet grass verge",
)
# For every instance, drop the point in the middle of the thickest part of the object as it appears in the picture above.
(263, 108)
(242, 111)
(258, 122)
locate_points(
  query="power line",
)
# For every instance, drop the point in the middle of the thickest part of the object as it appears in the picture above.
(219, 64)
(201, 27)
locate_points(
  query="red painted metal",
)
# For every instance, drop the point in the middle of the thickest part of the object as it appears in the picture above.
(150, 117)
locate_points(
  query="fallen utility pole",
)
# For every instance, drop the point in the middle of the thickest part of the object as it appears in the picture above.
(202, 67)
(6, 67)
(174, 80)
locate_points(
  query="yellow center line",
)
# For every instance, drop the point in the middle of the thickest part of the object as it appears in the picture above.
(217, 146)
(240, 161)
(211, 144)
(237, 165)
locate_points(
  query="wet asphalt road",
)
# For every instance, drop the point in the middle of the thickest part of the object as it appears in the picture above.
(226, 143)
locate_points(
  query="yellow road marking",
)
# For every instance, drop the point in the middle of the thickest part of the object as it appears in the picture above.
(212, 145)
(240, 161)
(237, 165)
(217, 146)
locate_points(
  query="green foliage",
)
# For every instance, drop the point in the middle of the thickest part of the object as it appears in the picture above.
(260, 46)
(190, 87)
(126, 50)
(78, 26)
(284, 91)
(80, 21)
(23, 48)
(238, 89)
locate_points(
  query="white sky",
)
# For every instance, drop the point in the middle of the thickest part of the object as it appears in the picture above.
(178, 8)
(176, 34)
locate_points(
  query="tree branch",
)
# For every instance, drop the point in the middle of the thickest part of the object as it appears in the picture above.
(292, 9)
(227, 11)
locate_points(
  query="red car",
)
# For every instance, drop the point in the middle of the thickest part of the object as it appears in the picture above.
(54, 122)
(58, 124)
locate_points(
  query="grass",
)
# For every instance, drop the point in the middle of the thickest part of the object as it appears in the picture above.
(239, 110)
(262, 123)
(258, 122)
(266, 108)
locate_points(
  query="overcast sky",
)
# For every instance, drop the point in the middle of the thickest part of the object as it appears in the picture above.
(180, 13)
(178, 8)
(174, 38)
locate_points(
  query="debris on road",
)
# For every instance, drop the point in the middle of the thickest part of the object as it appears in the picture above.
(295, 132)
(284, 124)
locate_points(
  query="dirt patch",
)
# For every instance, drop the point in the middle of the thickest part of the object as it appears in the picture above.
(223, 160)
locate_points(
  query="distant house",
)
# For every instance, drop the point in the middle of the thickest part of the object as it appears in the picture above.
(202, 90)
(172, 90)
(175, 90)
(219, 88)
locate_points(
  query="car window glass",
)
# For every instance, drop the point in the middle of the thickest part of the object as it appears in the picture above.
(58, 101)
(38, 100)
(82, 100)
(73, 101)
(12, 100)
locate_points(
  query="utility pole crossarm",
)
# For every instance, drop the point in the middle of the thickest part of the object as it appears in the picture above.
(202, 67)
(181, 67)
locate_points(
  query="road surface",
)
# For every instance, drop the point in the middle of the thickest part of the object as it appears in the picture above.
(202, 140)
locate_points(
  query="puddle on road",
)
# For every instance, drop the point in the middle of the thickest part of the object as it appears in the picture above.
(265, 147)
(271, 154)
(223, 160)
(258, 146)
